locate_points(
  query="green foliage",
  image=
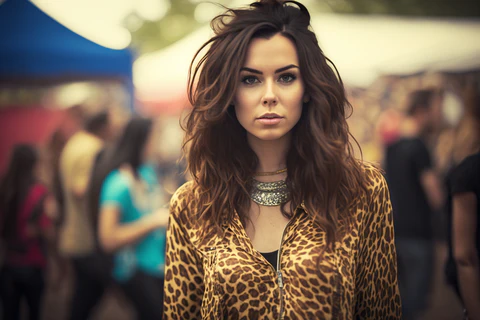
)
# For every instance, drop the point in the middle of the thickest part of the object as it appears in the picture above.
(176, 24)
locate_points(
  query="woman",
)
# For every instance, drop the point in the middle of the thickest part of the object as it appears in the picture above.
(280, 221)
(465, 192)
(25, 229)
(125, 192)
(462, 185)
(462, 267)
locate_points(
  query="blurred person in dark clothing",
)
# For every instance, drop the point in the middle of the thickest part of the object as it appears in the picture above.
(54, 149)
(464, 187)
(416, 193)
(463, 209)
(126, 197)
(77, 241)
(26, 227)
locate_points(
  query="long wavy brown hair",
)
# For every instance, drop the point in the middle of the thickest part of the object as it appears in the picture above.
(322, 171)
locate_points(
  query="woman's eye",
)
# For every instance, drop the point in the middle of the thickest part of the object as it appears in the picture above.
(287, 78)
(249, 80)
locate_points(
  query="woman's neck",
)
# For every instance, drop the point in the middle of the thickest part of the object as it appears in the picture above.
(272, 154)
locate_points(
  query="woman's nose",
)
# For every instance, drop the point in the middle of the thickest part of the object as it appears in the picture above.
(269, 97)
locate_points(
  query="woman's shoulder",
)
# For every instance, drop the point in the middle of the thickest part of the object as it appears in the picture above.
(184, 197)
(148, 173)
(38, 187)
(114, 176)
(182, 210)
(374, 207)
(373, 173)
(116, 180)
(374, 179)
(466, 176)
(470, 163)
(37, 190)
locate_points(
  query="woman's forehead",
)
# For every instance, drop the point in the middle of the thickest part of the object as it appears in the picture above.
(271, 54)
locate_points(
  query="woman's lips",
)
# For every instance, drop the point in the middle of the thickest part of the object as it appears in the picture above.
(270, 120)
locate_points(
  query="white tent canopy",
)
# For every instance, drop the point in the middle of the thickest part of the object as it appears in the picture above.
(164, 74)
(362, 48)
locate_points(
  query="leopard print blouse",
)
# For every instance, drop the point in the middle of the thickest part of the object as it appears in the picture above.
(226, 278)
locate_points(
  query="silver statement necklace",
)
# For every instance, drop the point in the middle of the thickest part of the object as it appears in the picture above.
(269, 193)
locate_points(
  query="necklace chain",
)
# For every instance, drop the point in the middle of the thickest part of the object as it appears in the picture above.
(270, 173)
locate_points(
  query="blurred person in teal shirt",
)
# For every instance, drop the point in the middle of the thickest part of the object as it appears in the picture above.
(125, 197)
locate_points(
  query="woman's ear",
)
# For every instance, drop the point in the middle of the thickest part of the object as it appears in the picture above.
(306, 98)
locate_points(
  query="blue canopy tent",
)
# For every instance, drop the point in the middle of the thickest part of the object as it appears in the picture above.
(34, 47)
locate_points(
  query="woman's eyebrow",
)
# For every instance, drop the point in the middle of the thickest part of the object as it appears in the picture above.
(276, 71)
(290, 66)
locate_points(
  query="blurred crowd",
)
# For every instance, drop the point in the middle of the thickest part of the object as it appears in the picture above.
(99, 220)
(433, 172)
(94, 209)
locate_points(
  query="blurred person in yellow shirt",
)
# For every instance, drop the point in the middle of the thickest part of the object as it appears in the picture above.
(77, 235)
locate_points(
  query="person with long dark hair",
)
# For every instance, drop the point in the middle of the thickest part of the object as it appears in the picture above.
(462, 266)
(464, 233)
(281, 221)
(25, 229)
(125, 198)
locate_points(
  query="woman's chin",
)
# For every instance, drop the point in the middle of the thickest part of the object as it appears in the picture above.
(273, 135)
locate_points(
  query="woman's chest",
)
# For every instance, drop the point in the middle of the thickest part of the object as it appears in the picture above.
(311, 280)
(265, 228)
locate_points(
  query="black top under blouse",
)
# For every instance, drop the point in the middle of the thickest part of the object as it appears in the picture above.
(271, 257)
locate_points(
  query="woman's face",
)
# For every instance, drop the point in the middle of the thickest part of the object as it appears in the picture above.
(268, 100)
